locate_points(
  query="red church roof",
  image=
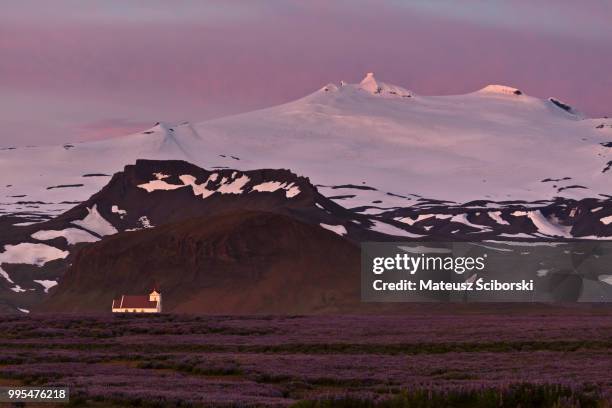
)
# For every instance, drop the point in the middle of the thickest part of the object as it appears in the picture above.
(134, 302)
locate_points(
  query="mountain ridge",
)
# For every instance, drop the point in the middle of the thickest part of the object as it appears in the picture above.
(489, 143)
(366, 161)
(151, 194)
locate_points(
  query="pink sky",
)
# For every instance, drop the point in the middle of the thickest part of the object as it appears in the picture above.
(84, 70)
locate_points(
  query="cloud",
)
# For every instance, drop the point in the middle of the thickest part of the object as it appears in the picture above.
(584, 19)
(130, 11)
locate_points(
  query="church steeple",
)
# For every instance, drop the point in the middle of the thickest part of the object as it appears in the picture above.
(155, 295)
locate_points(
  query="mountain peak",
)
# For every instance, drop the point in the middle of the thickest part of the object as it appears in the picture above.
(370, 84)
(500, 90)
(159, 127)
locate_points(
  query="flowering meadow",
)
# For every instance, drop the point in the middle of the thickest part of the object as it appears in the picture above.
(558, 358)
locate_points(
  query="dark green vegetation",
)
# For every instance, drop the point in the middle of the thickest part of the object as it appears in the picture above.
(545, 358)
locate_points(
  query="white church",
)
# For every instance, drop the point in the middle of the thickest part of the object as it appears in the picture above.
(139, 303)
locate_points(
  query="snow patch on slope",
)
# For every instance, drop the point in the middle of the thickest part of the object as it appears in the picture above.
(270, 186)
(422, 217)
(338, 229)
(199, 189)
(116, 210)
(606, 279)
(46, 284)
(234, 186)
(161, 176)
(159, 184)
(547, 227)
(95, 223)
(6, 276)
(496, 216)
(31, 254)
(145, 222)
(72, 235)
(462, 219)
(542, 273)
(606, 220)
(389, 229)
(517, 235)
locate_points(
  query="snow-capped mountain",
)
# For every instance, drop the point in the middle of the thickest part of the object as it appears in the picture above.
(367, 161)
(496, 144)
(150, 194)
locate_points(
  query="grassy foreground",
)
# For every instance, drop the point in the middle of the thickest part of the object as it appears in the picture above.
(419, 360)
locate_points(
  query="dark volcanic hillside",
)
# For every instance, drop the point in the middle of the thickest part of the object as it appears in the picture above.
(147, 195)
(151, 194)
(241, 262)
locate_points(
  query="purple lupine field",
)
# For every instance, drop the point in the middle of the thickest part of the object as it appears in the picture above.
(556, 358)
